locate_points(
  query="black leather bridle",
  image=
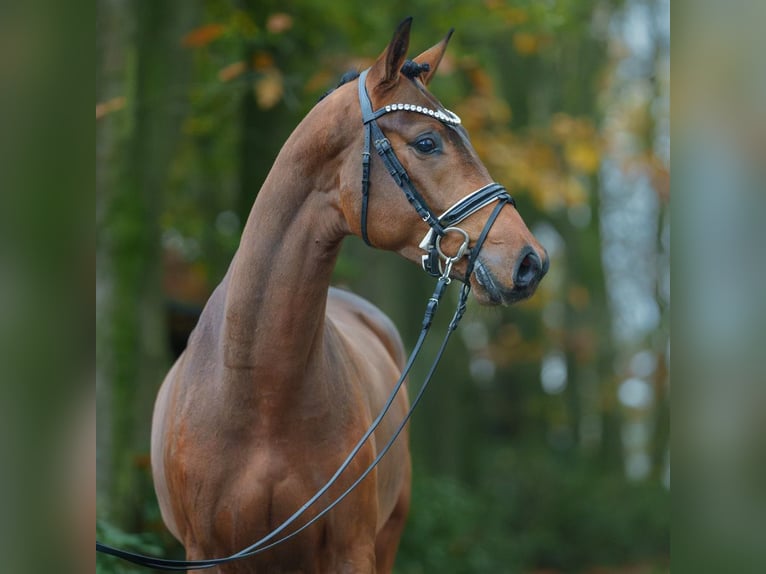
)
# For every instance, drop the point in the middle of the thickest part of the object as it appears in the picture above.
(435, 262)
(441, 225)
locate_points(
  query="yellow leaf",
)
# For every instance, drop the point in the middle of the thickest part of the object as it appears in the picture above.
(562, 126)
(525, 43)
(269, 89)
(582, 156)
(574, 192)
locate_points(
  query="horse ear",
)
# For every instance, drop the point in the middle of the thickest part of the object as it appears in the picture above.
(432, 57)
(385, 70)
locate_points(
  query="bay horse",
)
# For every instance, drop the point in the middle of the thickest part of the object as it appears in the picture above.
(283, 373)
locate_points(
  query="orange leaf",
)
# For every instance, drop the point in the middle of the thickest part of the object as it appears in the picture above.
(231, 71)
(203, 36)
(109, 106)
(262, 60)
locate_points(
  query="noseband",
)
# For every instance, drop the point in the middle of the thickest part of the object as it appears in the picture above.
(435, 262)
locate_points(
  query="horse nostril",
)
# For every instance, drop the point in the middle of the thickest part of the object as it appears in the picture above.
(528, 271)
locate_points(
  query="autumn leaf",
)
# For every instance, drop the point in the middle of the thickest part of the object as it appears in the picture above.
(574, 192)
(582, 156)
(481, 80)
(231, 71)
(269, 89)
(526, 43)
(202, 36)
(262, 60)
(279, 22)
(109, 106)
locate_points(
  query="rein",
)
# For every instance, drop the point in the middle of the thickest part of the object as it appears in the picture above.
(435, 262)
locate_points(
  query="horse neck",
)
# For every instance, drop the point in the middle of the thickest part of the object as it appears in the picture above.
(278, 282)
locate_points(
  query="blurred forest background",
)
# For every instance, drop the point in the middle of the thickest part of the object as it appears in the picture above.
(543, 444)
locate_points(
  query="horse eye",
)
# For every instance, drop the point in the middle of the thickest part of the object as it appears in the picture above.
(426, 145)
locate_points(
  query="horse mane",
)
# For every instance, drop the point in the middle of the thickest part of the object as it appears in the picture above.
(410, 70)
(344, 79)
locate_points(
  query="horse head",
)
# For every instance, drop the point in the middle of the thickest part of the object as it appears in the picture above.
(432, 151)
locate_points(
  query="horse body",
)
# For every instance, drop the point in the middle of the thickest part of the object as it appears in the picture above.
(279, 379)
(283, 374)
(238, 461)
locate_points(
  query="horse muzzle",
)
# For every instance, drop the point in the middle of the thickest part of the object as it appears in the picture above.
(528, 271)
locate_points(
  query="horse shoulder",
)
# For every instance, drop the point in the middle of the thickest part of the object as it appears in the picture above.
(374, 345)
(355, 311)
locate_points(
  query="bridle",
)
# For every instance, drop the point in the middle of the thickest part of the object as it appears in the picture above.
(435, 262)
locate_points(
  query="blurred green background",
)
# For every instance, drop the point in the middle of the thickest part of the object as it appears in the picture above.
(543, 444)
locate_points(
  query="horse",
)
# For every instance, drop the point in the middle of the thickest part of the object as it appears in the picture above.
(283, 373)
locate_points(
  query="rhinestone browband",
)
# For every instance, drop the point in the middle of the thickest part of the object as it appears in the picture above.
(446, 116)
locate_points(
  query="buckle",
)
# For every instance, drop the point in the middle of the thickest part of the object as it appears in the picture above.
(430, 263)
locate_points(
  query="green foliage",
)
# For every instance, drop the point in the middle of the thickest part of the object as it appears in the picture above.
(553, 513)
(449, 530)
(108, 533)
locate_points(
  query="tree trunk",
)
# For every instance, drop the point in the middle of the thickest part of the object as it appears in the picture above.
(141, 60)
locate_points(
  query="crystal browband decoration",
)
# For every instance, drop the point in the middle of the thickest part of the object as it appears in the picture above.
(445, 116)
